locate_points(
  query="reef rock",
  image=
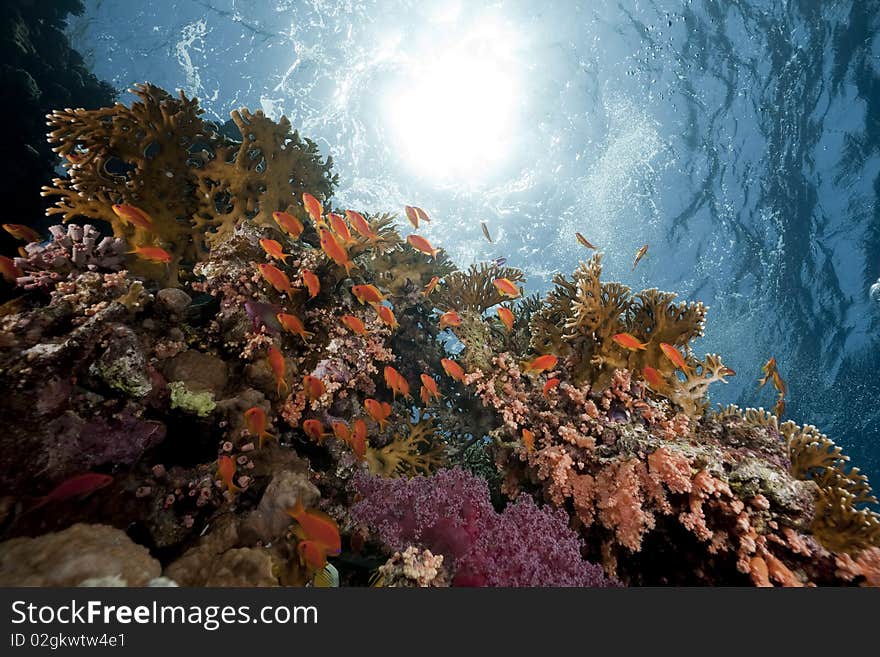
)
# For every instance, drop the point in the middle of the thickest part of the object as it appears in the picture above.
(78, 553)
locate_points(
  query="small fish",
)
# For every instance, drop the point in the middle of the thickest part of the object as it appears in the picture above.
(289, 224)
(639, 255)
(276, 278)
(314, 208)
(361, 225)
(341, 431)
(312, 554)
(339, 227)
(387, 316)
(312, 283)
(276, 362)
(293, 324)
(528, 440)
(629, 341)
(412, 215)
(23, 233)
(334, 250)
(395, 382)
(486, 232)
(8, 269)
(779, 409)
(506, 317)
(674, 356)
(421, 244)
(314, 430)
(77, 486)
(506, 287)
(134, 216)
(422, 215)
(779, 384)
(367, 294)
(430, 385)
(256, 422)
(768, 369)
(274, 250)
(653, 377)
(152, 254)
(379, 411)
(550, 385)
(326, 578)
(432, 284)
(226, 472)
(317, 526)
(355, 324)
(498, 262)
(313, 387)
(449, 318)
(453, 369)
(540, 364)
(359, 438)
(425, 395)
(583, 240)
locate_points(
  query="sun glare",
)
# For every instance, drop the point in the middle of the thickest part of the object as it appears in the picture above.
(452, 114)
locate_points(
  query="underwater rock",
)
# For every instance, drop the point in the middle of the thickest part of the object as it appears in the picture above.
(123, 366)
(199, 371)
(80, 552)
(200, 403)
(271, 519)
(173, 301)
(114, 581)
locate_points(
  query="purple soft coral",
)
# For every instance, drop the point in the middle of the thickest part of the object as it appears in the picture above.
(451, 513)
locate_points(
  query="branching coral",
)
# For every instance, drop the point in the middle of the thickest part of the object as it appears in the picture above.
(418, 452)
(473, 290)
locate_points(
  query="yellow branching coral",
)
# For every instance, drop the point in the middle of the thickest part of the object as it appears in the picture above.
(474, 289)
(161, 157)
(838, 523)
(404, 270)
(418, 452)
(581, 316)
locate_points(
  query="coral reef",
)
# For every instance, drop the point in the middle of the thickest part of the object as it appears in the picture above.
(290, 363)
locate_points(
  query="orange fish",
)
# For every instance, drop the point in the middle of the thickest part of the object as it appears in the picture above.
(312, 283)
(226, 472)
(256, 423)
(779, 384)
(379, 411)
(339, 227)
(412, 215)
(133, 215)
(653, 377)
(430, 385)
(361, 225)
(674, 356)
(334, 250)
(289, 224)
(152, 254)
(293, 324)
(395, 382)
(421, 214)
(429, 288)
(387, 316)
(23, 233)
(8, 269)
(540, 364)
(313, 207)
(628, 341)
(367, 294)
(552, 383)
(779, 409)
(506, 317)
(506, 287)
(276, 362)
(449, 318)
(312, 554)
(639, 255)
(317, 526)
(453, 369)
(583, 240)
(77, 486)
(528, 439)
(313, 387)
(274, 250)
(341, 431)
(276, 278)
(314, 430)
(768, 368)
(421, 244)
(355, 324)
(359, 439)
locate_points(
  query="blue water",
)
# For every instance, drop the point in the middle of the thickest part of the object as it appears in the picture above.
(740, 139)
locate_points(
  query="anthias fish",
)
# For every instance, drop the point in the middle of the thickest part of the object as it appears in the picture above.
(313, 387)
(226, 472)
(432, 284)
(133, 215)
(540, 364)
(293, 324)
(314, 430)
(367, 294)
(549, 386)
(674, 356)
(360, 224)
(379, 411)
(289, 224)
(452, 368)
(313, 207)
(154, 254)
(256, 422)
(421, 244)
(528, 440)
(506, 317)
(276, 363)
(274, 250)
(629, 341)
(76, 486)
(354, 324)
(449, 318)
(276, 278)
(395, 382)
(506, 288)
(337, 223)
(334, 250)
(313, 284)
(386, 315)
